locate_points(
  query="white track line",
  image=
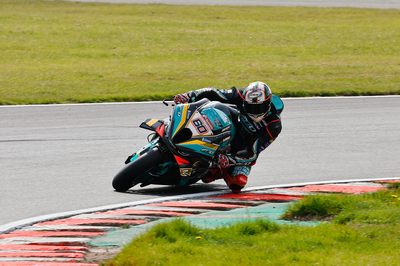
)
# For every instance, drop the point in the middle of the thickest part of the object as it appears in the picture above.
(158, 102)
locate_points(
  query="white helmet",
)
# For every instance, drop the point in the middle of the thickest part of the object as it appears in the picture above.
(257, 98)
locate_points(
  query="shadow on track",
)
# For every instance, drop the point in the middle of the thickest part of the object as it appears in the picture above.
(175, 190)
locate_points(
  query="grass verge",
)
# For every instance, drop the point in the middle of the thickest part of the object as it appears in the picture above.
(61, 52)
(365, 231)
(381, 207)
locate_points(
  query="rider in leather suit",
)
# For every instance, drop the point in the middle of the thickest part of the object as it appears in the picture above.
(259, 124)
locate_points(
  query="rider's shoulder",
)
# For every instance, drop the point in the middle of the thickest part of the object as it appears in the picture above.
(273, 116)
(277, 103)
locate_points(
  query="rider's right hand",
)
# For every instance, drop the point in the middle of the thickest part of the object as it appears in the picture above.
(181, 98)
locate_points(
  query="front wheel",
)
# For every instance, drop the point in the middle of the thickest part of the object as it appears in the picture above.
(125, 179)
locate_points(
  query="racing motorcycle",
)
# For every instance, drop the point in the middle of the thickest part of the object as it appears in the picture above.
(182, 148)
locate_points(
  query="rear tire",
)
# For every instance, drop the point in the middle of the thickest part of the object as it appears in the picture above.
(125, 179)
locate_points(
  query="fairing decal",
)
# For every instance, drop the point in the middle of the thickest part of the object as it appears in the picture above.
(180, 114)
(160, 130)
(201, 143)
(204, 148)
(180, 160)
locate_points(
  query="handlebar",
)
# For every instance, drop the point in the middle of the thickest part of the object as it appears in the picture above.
(169, 100)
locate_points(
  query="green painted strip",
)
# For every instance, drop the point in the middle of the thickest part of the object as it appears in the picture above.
(212, 219)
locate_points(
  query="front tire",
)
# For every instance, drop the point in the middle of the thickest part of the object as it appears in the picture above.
(125, 179)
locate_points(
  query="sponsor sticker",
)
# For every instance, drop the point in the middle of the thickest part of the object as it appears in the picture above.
(151, 122)
(208, 122)
(209, 152)
(205, 140)
(186, 171)
(255, 94)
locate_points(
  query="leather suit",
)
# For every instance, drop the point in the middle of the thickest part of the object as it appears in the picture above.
(251, 137)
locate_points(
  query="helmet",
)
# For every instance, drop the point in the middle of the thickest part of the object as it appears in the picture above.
(257, 99)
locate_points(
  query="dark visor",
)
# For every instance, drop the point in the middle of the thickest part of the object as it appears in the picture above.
(256, 109)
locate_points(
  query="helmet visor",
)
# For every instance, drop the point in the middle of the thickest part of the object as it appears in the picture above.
(256, 110)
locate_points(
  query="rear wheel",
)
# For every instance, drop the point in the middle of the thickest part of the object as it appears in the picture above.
(125, 179)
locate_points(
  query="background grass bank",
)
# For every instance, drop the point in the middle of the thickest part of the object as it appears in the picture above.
(60, 52)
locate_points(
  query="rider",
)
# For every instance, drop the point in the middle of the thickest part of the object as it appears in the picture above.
(258, 126)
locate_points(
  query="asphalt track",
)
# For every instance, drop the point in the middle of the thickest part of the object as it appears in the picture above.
(58, 158)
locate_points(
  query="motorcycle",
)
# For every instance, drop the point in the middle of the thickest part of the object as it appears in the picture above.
(183, 147)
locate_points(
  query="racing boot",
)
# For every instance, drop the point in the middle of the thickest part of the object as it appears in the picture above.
(238, 178)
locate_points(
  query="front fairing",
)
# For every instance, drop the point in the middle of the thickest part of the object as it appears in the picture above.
(200, 129)
(189, 139)
(144, 149)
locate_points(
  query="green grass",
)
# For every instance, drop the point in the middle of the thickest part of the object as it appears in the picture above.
(377, 208)
(61, 52)
(365, 231)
